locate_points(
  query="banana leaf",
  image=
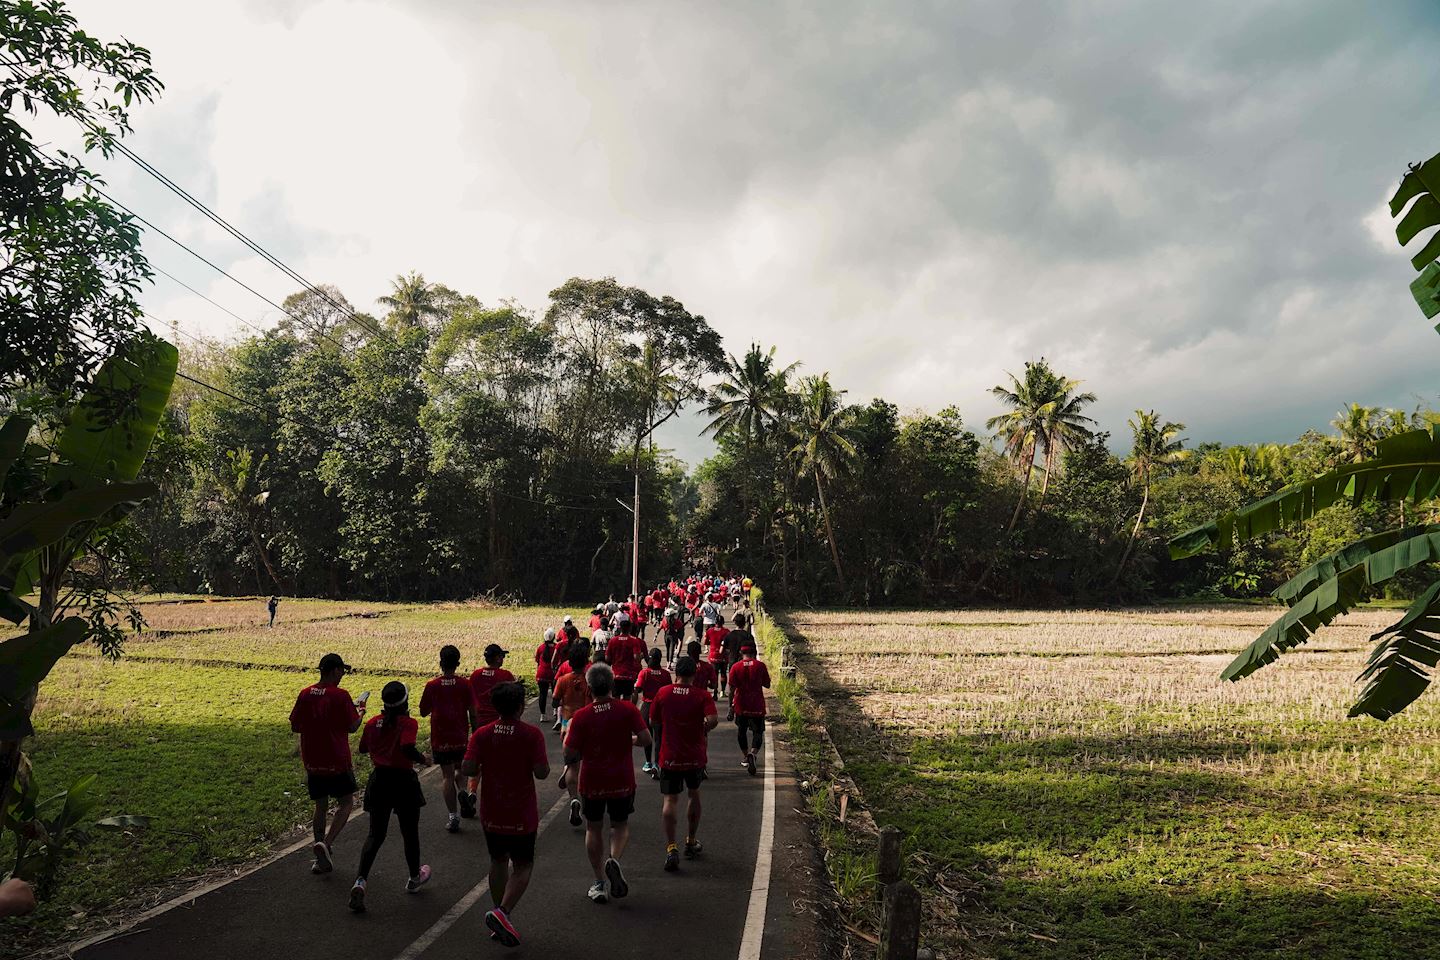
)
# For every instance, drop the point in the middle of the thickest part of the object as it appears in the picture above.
(1426, 291)
(1330, 587)
(1421, 184)
(12, 441)
(34, 525)
(113, 425)
(1395, 674)
(25, 661)
(1406, 466)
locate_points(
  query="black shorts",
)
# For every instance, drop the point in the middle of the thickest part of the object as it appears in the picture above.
(324, 785)
(518, 848)
(624, 687)
(450, 756)
(673, 781)
(392, 788)
(618, 808)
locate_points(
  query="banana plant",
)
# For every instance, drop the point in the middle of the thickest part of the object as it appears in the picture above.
(54, 499)
(1405, 468)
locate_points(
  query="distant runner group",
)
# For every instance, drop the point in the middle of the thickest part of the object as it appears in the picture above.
(610, 692)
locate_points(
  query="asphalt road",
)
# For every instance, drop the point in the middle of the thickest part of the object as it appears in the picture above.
(699, 913)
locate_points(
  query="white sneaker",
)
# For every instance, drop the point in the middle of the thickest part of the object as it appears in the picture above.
(323, 863)
(452, 824)
(597, 892)
(357, 897)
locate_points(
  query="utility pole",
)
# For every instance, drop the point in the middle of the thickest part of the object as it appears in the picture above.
(635, 538)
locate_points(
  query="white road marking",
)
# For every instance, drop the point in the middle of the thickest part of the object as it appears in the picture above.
(754, 934)
(428, 938)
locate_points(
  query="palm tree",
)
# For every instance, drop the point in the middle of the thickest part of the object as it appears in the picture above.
(1360, 431)
(1024, 426)
(413, 302)
(823, 448)
(1064, 424)
(1157, 445)
(748, 400)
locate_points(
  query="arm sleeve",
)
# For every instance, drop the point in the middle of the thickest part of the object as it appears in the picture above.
(295, 715)
(710, 710)
(352, 715)
(472, 750)
(425, 705)
(764, 676)
(408, 732)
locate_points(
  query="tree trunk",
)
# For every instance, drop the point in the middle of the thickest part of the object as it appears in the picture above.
(1049, 461)
(1134, 532)
(1024, 490)
(829, 532)
(264, 556)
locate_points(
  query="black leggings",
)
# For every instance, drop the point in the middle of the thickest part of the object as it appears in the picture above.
(745, 724)
(544, 686)
(409, 819)
(672, 644)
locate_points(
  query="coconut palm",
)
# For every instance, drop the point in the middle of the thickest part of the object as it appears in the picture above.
(413, 302)
(1360, 431)
(747, 402)
(1025, 427)
(823, 448)
(1157, 445)
(1064, 424)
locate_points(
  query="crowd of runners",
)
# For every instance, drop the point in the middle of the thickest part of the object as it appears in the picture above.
(607, 691)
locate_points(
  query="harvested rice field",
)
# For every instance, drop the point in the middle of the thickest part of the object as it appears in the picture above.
(1080, 784)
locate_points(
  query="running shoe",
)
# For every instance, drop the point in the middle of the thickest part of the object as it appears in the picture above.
(597, 892)
(618, 887)
(646, 767)
(501, 929)
(672, 858)
(419, 880)
(750, 763)
(467, 804)
(452, 825)
(323, 863)
(692, 849)
(556, 728)
(357, 897)
(574, 813)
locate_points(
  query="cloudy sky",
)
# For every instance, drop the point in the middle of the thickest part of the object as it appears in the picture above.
(1180, 203)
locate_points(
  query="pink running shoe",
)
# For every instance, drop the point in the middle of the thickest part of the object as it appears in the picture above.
(419, 880)
(501, 929)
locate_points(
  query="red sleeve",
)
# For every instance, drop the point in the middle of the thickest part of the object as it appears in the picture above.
(346, 707)
(710, 710)
(764, 676)
(295, 714)
(472, 749)
(507, 677)
(425, 701)
(365, 738)
(575, 736)
(637, 722)
(408, 729)
(537, 740)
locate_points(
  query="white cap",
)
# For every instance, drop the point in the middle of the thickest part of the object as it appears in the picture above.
(549, 633)
(569, 620)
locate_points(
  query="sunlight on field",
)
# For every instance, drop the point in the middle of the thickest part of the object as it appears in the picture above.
(1092, 772)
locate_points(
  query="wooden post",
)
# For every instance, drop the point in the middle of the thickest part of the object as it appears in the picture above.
(900, 928)
(889, 859)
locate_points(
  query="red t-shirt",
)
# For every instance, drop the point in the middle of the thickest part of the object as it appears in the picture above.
(680, 712)
(626, 653)
(482, 681)
(384, 736)
(447, 702)
(600, 736)
(543, 668)
(715, 639)
(651, 680)
(323, 716)
(748, 679)
(597, 622)
(705, 675)
(508, 753)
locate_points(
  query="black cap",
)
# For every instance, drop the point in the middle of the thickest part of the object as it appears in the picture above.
(684, 667)
(495, 650)
(332, 661)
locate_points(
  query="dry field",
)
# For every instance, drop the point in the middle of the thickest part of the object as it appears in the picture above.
(1106, 795)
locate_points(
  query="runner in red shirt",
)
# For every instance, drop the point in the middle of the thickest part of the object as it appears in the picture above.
(325, 716)
(652, 678)
(482, 681)
(508, 756)
(393, 787)
(705, 677)
(599, 758)
(682, 717)
(544, 668)
(749, 679)
(715, 641)
(625, 653)
(450, 704)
